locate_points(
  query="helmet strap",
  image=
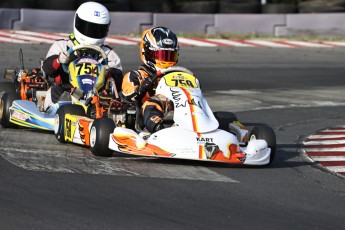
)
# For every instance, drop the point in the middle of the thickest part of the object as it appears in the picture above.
(73, 39)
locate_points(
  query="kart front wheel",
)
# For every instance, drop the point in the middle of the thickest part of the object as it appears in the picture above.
(6, 102)
(266, 133)
(224, 119)
(59, 127)
(99, 137)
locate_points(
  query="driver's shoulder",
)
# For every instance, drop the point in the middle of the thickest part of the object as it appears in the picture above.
(106, 48)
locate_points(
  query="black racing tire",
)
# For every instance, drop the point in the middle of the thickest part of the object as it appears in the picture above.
(7, 87)
(18, 4)
(153, 6)
(59, 127)
(57, 5)
(224, 118)
(239, 7)
(130, 121)
(267, 133)
(6, 102)
(279, 8)
(205, 7)
(322, 6)
(99, 137)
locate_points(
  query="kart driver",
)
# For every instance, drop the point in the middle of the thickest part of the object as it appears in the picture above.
(91, 25)
(158, 50)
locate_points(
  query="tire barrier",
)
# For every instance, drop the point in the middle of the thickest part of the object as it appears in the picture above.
(32, 4)
(207, 7)
(191, 6)
(321, 6)
(279, 8)
(240, 6)
(154, 6)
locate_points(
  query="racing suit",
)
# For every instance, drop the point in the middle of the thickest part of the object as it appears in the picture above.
(151, 109)
(53, 68)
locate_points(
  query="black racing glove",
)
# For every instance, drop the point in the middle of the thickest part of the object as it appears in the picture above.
(145, 86)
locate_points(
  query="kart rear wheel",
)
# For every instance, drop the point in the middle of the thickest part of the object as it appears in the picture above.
(5, 104)
(59, 127)
(99, 137)
(266, 133)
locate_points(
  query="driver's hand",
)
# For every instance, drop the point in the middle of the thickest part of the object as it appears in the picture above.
(146, 85)
(64, 58)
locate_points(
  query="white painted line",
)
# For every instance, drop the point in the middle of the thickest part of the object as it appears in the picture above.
(29, 38)
(48, 159)
(334, 43)
(308, 44)
(229, 42)
(270, 44)
(195, 42)
(12, 40)
(328, 158)
(44, 35)
(325, 136)
(112, 40)
(340, 149)
(336, 168)
(333, 131)
(324, 142)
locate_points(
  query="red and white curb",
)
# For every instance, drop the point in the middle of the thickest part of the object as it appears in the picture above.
(327, 147)
(20, 36)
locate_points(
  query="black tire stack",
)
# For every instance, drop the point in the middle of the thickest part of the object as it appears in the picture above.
(18, 4)
(154, 6)
(321, 6)
(280, 7)
(240, 6)
(204, 7)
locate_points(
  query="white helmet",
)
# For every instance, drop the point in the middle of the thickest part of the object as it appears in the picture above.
(91, 23)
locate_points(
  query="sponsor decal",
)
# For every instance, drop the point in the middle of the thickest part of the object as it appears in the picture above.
(179, 76)
(204, 140)
(167, 41)
(87, 81)
(211, 149)
(181, 80)
(97, 13)
(88, 60)
(84, 130)
(20, 116)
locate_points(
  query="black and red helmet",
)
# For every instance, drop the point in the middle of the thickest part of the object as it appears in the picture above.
(159, 46)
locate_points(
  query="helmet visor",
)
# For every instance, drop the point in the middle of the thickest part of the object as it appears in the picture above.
(90, 29)
(164, 55)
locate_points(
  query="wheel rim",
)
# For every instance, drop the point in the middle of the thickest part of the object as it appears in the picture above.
(93, 136)
(57, 124)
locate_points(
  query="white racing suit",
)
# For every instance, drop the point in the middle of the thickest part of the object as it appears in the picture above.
(53, 69)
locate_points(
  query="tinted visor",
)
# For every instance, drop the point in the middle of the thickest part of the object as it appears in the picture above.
(90, 29)
(164, 55)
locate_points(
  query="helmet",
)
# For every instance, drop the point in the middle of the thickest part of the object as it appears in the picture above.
(159, 47)
(91, 23)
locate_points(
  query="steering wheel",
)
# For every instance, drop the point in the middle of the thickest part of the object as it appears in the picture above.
(92, 47)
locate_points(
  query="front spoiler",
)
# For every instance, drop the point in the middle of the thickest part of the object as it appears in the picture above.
(175, 142)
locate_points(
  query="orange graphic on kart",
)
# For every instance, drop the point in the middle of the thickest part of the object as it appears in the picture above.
(84, 131)
(235, 155)
(130, 144)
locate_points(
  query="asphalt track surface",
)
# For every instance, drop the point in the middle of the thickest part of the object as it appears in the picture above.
(47, 185)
